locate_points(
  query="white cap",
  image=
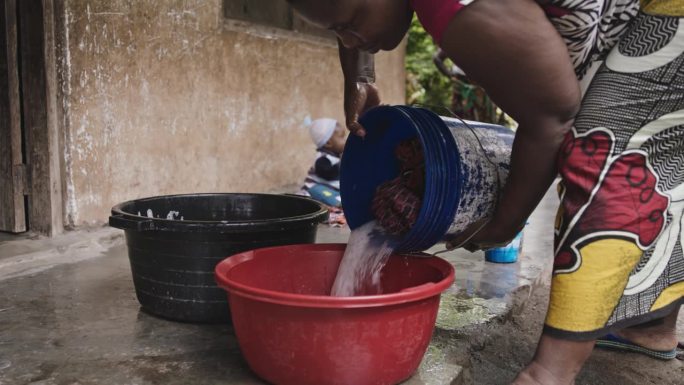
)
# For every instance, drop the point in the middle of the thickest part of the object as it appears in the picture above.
(321, 130)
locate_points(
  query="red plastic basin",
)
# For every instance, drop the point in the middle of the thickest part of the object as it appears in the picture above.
(291, 331)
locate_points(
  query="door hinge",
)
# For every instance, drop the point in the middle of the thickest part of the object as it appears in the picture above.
(20, 178)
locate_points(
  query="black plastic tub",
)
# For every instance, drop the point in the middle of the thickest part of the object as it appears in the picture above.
(175, 241)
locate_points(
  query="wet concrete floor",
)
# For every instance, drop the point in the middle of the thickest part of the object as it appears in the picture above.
(69, 315)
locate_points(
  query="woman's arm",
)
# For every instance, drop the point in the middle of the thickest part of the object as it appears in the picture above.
(512, 50)
(357, 66)
(360, 93)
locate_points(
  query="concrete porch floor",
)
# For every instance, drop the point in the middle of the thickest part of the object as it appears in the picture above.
(69, 315)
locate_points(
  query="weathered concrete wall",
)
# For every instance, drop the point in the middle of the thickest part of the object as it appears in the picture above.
(165, 97)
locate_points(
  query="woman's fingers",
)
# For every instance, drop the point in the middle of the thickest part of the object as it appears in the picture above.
(372, 96)
(356, 128)
(359, 98)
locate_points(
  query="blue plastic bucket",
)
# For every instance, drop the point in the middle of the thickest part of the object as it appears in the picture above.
(466, 164)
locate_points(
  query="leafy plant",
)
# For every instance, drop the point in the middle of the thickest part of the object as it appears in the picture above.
(424, 83)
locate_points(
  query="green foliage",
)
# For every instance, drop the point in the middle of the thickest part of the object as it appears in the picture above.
(424, 83)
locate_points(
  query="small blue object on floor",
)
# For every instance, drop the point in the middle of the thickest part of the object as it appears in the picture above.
(506, 254)
(325, 194)
(613, 342)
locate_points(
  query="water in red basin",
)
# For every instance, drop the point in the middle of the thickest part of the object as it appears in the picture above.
(291, 332)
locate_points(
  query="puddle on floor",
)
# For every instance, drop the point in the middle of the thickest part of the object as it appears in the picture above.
(456, 311)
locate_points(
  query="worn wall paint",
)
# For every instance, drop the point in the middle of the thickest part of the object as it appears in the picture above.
(164, 97)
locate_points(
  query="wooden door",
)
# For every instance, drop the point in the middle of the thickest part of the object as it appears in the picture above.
(12, 165)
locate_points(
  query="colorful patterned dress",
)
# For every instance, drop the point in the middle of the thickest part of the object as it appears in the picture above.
(619, 230)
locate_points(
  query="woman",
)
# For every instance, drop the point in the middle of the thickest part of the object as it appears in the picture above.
(618, 250)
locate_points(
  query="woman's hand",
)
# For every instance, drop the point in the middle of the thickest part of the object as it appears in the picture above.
(360, 92)
(359, 98)
(482, 235)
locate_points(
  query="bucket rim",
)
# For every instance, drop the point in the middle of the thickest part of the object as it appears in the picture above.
(188, 225)
(418, 293)
(442, 184)
(443, 177)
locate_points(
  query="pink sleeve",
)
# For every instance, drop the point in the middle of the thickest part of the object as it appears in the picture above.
(435, 15)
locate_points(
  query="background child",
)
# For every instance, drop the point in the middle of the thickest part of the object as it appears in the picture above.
(322, 183)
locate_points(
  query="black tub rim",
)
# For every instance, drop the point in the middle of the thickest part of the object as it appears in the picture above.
(128, 221)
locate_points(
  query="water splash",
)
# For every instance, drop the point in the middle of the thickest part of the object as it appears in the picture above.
(366, 254)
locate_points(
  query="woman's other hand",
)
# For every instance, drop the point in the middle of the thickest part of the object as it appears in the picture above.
(482, 235)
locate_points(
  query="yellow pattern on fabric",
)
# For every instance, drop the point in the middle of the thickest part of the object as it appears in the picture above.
(584, 300)
(669, 295)
(663, 7)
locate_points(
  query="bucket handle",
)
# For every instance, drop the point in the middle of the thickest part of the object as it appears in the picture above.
(469, 127)
(463, 243)
(123, 223)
